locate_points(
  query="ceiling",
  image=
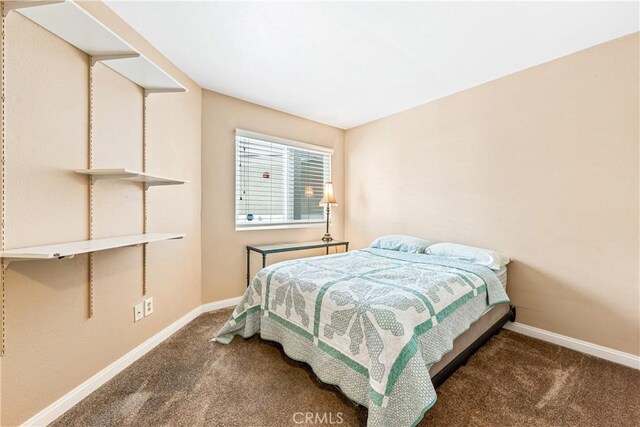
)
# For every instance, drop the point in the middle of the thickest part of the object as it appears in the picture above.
(348, 63)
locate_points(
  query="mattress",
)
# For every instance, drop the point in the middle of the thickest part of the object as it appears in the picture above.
(488, 319)
(502, 275)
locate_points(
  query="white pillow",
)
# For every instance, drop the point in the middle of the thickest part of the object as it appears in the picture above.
(401, 243)
(486, 257)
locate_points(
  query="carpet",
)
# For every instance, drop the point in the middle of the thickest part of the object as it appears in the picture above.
(513, 380)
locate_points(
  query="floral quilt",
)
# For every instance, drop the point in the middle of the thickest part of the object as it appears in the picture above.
(371, 321)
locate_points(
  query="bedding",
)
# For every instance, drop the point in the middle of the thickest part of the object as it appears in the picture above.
(398, 242)
(371, 321)
(480, 256)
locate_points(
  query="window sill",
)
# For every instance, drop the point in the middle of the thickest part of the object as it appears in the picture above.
(282, 226)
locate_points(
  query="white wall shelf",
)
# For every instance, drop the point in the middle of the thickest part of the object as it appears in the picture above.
(144, 73)
(73, 24)
(70, 249)
(129, 175)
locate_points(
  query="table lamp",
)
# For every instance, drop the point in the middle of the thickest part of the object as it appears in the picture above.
(328, 200)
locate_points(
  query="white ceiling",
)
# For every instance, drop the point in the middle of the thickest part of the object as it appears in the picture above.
(346, 64)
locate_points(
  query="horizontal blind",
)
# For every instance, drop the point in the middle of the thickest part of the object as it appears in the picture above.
(278, 184)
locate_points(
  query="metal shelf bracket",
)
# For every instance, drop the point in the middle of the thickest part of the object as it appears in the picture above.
(100, 58)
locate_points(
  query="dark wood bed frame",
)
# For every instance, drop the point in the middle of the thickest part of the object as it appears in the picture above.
(460, 360)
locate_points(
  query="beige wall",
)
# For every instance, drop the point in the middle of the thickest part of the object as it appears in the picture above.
(223, 248)
(541, 165)
(52, 346)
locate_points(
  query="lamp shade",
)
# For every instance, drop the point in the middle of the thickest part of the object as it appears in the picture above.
(328, 194)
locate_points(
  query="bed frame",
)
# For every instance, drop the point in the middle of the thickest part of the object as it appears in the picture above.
(460, 360)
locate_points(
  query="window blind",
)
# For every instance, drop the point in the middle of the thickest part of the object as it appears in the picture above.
(279, 182)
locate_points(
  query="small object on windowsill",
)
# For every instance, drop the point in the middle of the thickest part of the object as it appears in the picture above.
(328, 200)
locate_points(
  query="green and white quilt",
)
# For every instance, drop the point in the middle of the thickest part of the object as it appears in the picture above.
(371, 321)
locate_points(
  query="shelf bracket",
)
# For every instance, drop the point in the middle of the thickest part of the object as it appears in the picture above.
(7, 261)
(150, 91)
(90, 271)
(110, 57)
(145, 188)
(3, 189)
(14, 5)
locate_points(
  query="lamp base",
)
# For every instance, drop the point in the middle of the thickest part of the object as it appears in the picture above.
(327, 238)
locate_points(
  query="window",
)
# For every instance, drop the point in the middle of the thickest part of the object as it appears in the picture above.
(279, 182)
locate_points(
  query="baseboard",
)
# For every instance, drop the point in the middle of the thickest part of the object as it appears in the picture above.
(217, 305)
(66, 402)
(596, 350)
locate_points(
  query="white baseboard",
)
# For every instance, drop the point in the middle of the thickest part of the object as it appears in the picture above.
(217, 305)
(606, 353)
(66, 402)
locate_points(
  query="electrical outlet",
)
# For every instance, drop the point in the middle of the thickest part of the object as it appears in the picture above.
(148, 306)
(138, 312)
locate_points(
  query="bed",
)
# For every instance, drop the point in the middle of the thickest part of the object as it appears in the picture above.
(386, 327)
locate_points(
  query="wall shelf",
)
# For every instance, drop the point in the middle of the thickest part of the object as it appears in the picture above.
(129, 175)
(70, 249)
(73, 24)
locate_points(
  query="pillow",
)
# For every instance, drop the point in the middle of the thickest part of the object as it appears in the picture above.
(401, 243)
(486, 257)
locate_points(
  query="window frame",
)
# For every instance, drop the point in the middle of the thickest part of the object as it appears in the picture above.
(316, 223)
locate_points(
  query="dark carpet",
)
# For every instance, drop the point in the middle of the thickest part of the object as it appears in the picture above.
(512, 381)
